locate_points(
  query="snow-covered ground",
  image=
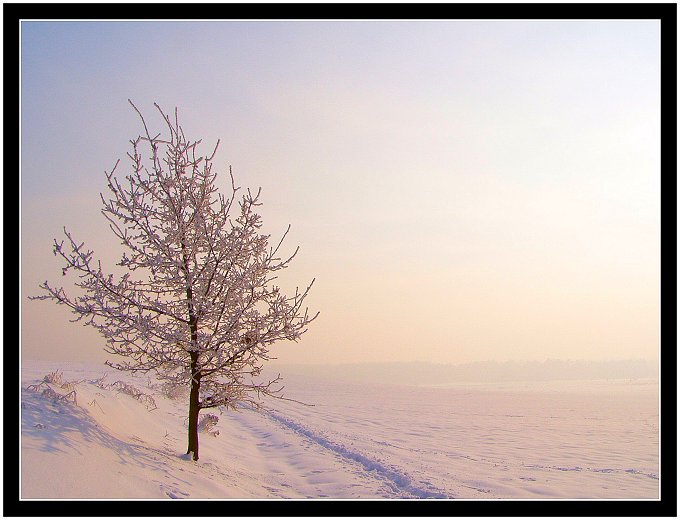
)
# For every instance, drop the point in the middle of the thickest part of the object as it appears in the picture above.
(569, 439)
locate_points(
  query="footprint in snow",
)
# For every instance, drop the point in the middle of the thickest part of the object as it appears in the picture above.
(176, 494)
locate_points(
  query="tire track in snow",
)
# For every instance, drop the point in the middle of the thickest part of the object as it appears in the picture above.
(399, 481)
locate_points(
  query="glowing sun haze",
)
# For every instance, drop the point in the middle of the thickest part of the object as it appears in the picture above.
(460, 190)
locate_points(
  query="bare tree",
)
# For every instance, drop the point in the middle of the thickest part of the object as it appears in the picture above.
(196, 303)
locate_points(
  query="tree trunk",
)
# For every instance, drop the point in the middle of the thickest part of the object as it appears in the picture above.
(194, 408)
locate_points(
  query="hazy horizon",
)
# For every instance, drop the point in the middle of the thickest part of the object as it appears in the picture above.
(441, 374)
(461, 191)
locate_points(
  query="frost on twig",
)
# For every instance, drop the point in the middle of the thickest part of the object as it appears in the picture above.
(94, 402)
(56, 379)
(207, 424)
(170, 390)
(99, 383)
(46, 391)
(128, 389)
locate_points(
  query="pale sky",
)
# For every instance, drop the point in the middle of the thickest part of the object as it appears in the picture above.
(461, 191)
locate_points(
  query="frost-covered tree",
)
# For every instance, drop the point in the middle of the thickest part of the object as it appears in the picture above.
(195, 302)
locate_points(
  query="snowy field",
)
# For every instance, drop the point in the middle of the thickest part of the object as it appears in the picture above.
(569, 439)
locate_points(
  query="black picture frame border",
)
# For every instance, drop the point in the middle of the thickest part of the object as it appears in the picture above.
(666, 13)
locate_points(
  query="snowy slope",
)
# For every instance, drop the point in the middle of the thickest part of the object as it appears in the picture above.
(598, 440)
(109, 445)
